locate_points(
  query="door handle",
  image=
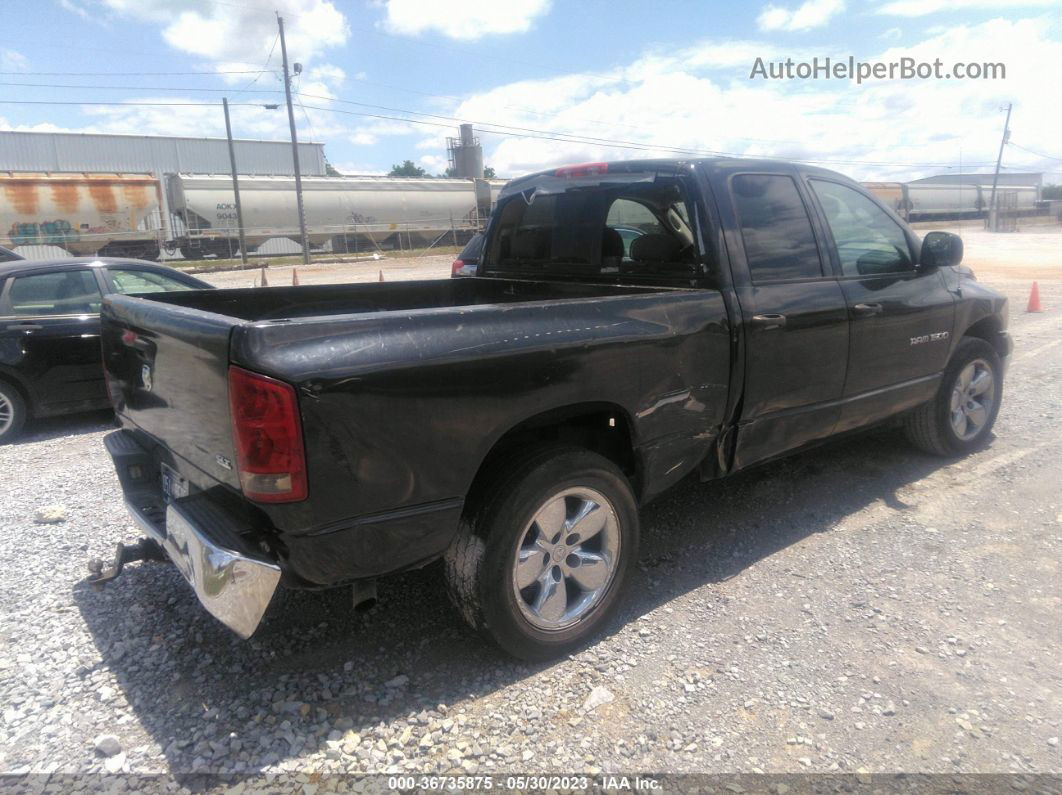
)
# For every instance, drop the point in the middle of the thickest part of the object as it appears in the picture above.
(865, 310)
(768, 321)
(24, 327)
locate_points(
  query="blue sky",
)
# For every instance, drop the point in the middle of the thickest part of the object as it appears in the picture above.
(550, 82)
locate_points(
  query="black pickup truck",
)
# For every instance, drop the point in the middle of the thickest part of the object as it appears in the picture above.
(629, 324)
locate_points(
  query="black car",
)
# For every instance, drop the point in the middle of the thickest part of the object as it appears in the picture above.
(468, 259)
(50, 329)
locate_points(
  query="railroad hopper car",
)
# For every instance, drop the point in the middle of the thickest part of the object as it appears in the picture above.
(115, 215)
(353, 213)
(916, 202)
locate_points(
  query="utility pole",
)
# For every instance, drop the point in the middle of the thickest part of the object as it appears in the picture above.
(993, 211)
(294, 146)
(235, 181)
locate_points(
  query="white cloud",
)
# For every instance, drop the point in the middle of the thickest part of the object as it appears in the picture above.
(892, 34)
(671, 103)
(12, 61)
(920, 8)
(808, 15)
(74, 8)
(231, 33)
(463, 19)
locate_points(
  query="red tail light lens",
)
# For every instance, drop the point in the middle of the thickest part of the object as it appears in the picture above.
(455, 269)
(268, 437)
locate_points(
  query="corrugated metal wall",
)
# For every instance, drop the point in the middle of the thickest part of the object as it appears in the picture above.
(29, 151)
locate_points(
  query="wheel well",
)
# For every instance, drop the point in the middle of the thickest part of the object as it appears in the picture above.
(600, 427)
(987, 329)
(4, 379)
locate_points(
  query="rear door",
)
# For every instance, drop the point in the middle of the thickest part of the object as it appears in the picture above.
(51, 336)
(794, 311)
(902, 315)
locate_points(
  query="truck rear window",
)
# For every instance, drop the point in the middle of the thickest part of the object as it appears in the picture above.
(637, 229)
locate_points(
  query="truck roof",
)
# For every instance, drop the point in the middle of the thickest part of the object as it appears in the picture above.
(672, 165)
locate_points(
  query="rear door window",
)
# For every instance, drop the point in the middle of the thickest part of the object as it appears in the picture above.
(73, 292)
(775, 228)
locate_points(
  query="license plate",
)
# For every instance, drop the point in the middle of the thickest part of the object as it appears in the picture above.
(173, 485)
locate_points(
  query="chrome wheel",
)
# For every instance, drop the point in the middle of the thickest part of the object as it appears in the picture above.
(7, 414)
(566, 559)
(972, 399)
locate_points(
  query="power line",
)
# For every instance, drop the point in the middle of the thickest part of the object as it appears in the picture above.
(188, 89)
(632, 145)
(128, 104)
(131, 74)
(1033, 152)
(265, 66)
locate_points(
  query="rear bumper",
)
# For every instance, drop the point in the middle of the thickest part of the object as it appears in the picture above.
(234, 585)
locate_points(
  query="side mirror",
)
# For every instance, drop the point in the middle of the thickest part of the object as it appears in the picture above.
(940, 250)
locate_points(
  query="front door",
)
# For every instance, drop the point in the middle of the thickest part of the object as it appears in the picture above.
(51, 329)
(902, 315)
(796, 320)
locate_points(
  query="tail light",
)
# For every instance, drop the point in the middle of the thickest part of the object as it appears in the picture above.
(455, 269)
(268, 437)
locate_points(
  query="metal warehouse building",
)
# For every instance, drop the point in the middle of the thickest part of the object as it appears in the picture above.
(139, 154)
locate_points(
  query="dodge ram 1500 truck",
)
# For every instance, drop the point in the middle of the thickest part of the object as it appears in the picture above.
(629, 324)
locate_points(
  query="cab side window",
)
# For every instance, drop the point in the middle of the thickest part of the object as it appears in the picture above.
(775, 228)
(869, 242)
(57, 293)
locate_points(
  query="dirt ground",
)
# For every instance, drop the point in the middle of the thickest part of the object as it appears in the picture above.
(859, 607)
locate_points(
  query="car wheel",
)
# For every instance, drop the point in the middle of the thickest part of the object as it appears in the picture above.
(960, 416)
(12, 413)
(541, 563)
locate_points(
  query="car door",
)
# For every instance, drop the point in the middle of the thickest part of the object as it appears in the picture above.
(795, 317)
(902, 315)
(51, 328)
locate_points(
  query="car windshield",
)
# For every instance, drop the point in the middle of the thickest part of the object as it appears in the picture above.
(636, 229)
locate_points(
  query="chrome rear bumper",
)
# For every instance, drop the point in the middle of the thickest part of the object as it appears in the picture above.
(234, 587)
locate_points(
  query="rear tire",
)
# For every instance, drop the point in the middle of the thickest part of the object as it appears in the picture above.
(540, 564)
(12, 413)
(960, 416)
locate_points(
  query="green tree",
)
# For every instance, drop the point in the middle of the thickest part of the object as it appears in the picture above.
(488, 172)
(330, 170)
(407, 169)
(1052, 192)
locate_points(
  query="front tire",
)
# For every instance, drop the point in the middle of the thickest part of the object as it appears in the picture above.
(960, 416)
(540, 564)
(12, 413)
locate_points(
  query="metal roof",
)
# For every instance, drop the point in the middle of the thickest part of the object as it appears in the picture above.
(45, 151)
(1011, 178)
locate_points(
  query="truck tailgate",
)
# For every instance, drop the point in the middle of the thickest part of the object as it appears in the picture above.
(167, 371)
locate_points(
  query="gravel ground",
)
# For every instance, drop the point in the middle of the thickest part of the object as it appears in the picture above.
(861, 607)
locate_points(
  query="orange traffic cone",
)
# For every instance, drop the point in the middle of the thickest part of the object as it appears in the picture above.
(1034, 299)
(294, 277)
(381, 276)
(265, 281)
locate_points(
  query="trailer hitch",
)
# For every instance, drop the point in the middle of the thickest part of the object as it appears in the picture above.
(144, 549)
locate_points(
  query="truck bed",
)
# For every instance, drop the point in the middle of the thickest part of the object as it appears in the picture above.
(283, 303)
(403, 388)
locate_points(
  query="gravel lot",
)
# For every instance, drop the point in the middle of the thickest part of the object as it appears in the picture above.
(858, 607)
